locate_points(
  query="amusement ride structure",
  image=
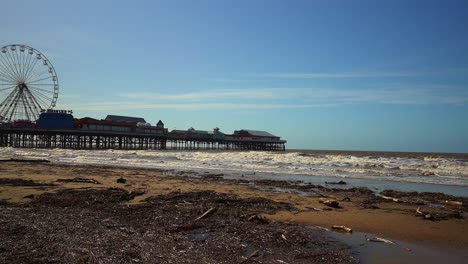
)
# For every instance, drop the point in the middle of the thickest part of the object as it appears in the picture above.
(28, 83)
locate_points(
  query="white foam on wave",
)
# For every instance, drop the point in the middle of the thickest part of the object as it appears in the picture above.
(423, 170)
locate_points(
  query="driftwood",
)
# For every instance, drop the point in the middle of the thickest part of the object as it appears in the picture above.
(418, 211)
(323, 228)
(457, 203)
(379, 239)
(314, 209)
(205, 214)
(391, 199)
(342, 228)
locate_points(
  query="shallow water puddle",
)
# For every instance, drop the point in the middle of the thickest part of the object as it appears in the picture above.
(399, 252)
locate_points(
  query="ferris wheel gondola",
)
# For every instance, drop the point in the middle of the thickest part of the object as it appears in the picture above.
(28, 83)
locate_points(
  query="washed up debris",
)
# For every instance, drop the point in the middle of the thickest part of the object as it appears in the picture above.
(26, 160)
(457, 203)
(121, 180)
(159, 223)
(342, 228)
(205, 214)
(331, 203)
(22, 182)
(340, 182)
(322, 228)
(370, 203)
(346, 199)
(418, 211)
(80, 180)
(314, 209)
(428, 173)
(426, 216)
(438, 216)
(379, 239)
(391, 199)
(433, 199)
(284, 237)
(258, 219)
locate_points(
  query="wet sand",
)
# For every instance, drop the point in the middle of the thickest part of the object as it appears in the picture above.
(360, 210)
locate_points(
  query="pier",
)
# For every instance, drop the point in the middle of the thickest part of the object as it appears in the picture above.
(79, 139)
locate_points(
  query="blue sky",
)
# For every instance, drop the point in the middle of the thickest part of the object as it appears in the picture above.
(355, 75)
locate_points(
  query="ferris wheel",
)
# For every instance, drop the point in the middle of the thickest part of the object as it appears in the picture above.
(28, 83)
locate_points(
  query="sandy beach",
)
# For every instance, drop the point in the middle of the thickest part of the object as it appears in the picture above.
(434, 221)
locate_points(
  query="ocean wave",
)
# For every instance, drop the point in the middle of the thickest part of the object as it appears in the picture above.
(436, 170)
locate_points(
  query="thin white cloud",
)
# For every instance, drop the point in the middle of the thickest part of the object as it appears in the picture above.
(192, 106)
(204, 95)
(279, 98)
(394, 94)
(317, 75)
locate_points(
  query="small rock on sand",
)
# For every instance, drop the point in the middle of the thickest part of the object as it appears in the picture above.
(121, 180)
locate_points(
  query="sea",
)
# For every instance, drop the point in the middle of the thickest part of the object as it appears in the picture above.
(423, 172)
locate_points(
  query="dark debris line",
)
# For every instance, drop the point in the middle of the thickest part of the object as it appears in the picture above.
(97, 226)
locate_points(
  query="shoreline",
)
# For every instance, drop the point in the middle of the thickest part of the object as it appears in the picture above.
(241, 175)
(437, 171)
(364, 212)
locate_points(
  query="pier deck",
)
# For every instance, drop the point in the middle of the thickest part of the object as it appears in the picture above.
(78, 139)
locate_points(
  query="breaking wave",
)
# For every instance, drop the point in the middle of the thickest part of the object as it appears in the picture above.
(439, 170)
